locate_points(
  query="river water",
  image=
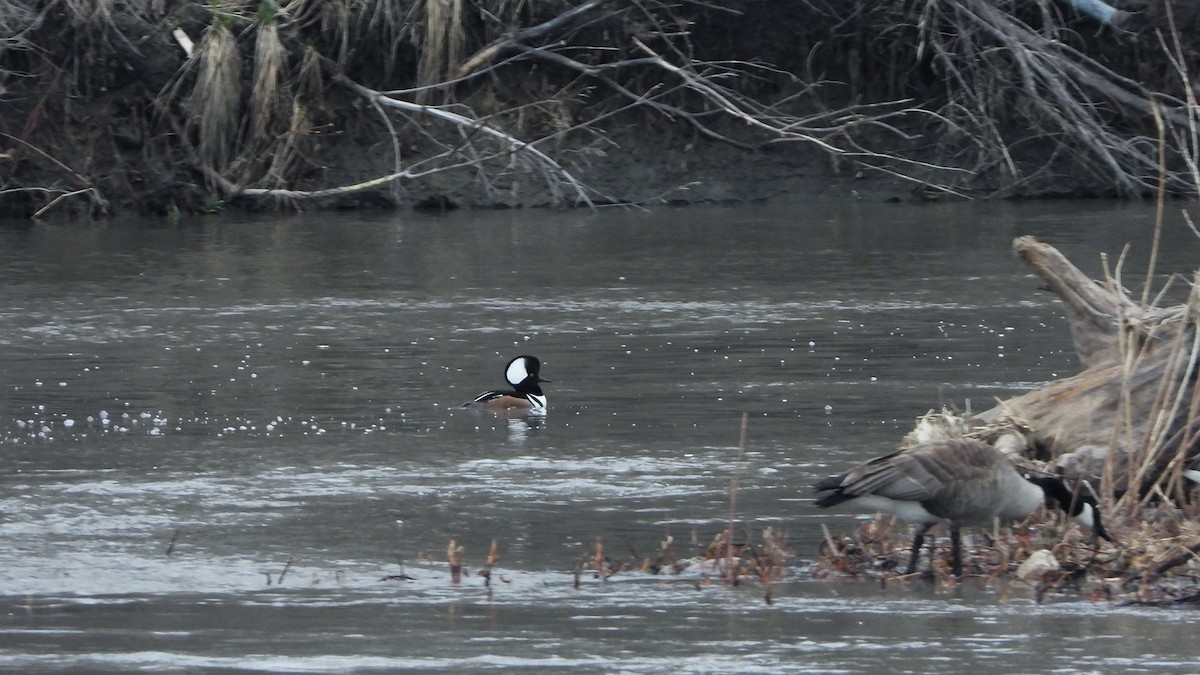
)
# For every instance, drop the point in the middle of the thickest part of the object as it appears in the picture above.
(233, 443)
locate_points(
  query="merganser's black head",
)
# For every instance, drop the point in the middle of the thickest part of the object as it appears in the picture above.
(523, 373)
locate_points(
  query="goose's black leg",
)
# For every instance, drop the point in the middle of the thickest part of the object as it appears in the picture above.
(918, 540)
(956, 552)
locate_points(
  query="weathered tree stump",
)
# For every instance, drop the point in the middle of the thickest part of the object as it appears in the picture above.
(1130, 420)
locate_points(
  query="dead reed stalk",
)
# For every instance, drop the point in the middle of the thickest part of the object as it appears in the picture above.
(492, 558)
(444, 44)
(734, 482)
(454, 556)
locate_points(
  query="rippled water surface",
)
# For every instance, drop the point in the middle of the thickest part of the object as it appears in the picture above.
(234, 444)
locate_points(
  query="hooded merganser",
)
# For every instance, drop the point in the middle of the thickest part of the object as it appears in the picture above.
(522, 374)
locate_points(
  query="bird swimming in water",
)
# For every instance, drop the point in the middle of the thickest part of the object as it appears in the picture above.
(523, 375)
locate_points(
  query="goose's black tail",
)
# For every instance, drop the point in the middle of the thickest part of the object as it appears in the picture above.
(833, 487)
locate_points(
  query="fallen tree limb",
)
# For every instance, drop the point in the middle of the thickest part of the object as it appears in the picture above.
(1188, 554)
(1131, 418)
(98, 202)
(1095, 313)
(510, 146)
(1070, 99)
(551, 168)
(520, 37)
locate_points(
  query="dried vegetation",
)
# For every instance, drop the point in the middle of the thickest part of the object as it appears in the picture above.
(1156, 560)
(166, 106)
(1133, 414)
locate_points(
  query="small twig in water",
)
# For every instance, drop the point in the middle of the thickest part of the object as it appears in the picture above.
(454, 555)
(283, 574)
(598, 561)
(492, 558)
(733, 489)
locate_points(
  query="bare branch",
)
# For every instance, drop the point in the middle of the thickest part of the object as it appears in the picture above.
(516, 145)
(518, 38)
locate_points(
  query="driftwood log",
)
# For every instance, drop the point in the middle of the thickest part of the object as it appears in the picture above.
(1129, 422)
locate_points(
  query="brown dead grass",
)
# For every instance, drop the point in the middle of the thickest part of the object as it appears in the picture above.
(1144, 498)
(1156, 559)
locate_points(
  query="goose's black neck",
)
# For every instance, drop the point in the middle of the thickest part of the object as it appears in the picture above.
(1055, 488)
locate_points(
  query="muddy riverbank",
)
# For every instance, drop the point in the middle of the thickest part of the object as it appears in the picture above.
(127, 107)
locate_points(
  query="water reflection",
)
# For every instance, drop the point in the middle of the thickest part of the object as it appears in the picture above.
(287, 389)
(519, 427)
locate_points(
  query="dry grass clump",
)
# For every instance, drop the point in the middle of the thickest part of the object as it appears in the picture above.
(444, 43)
(1155, 561)
(723, 561)
(215, 101)
(1159, 558)
(270, 61)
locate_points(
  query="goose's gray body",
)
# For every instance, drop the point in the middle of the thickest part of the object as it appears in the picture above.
(957, 482)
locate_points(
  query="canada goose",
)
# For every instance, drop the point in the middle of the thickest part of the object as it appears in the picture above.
(957, 482)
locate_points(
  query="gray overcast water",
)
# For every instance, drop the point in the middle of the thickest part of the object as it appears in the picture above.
(279, 392)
